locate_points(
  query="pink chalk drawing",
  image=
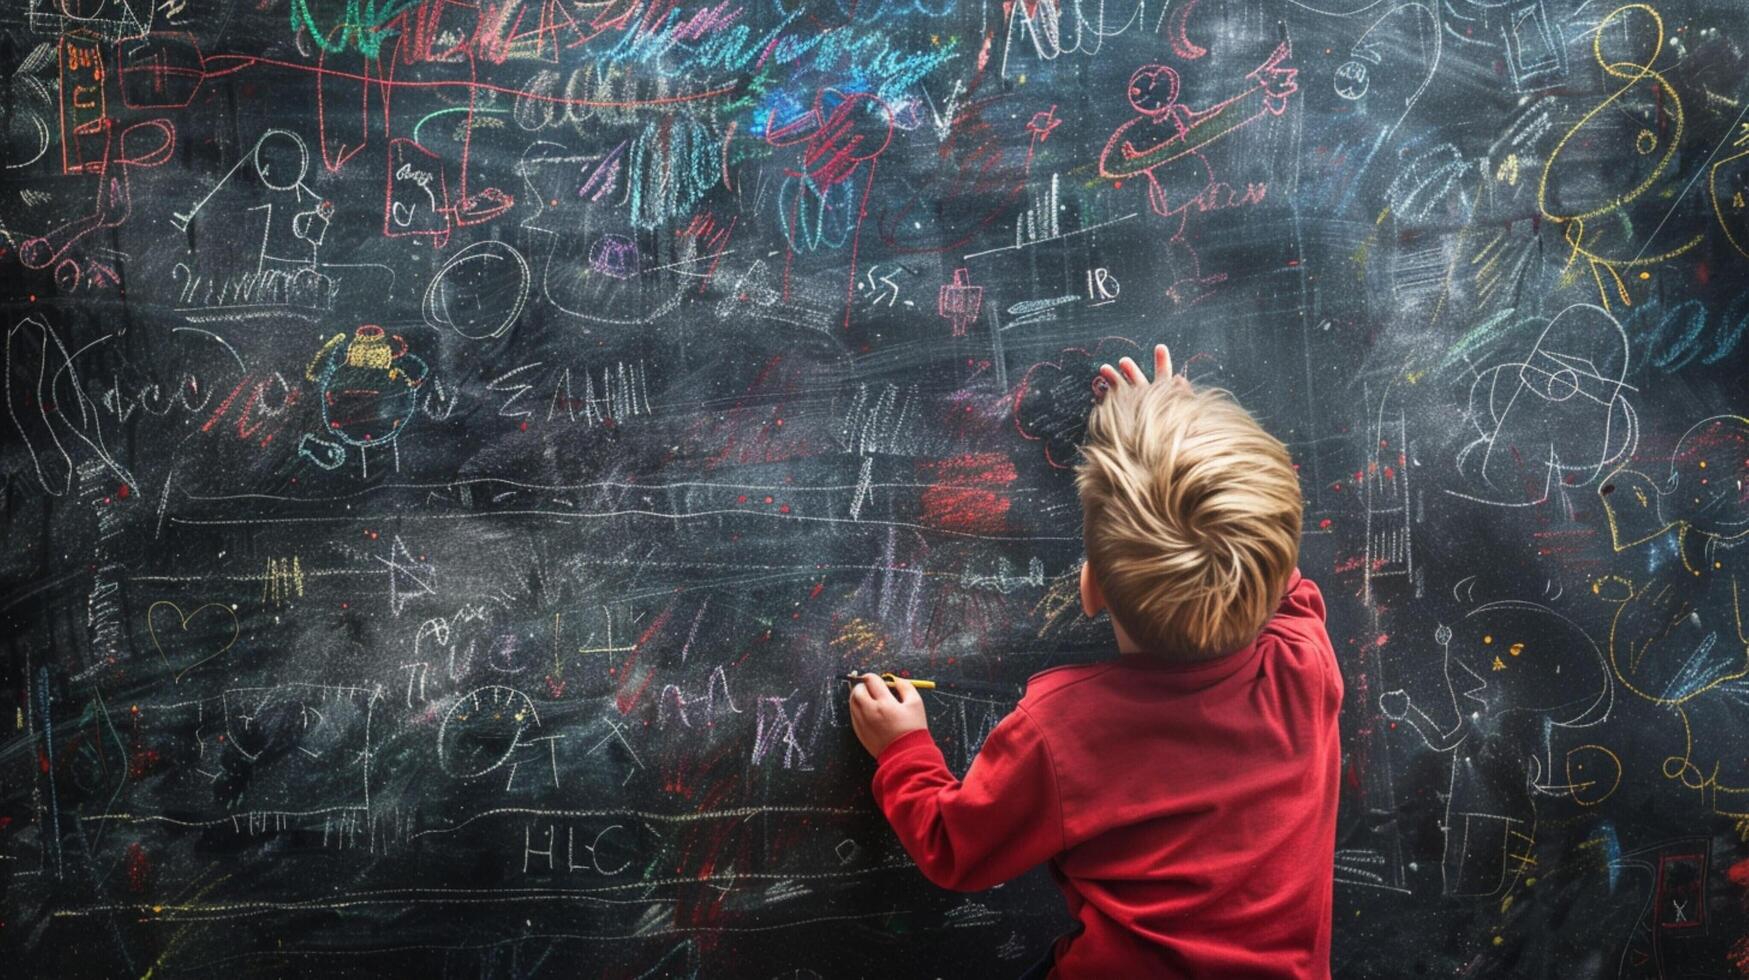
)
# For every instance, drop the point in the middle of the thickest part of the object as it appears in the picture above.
(960, 301)
(1165, 143)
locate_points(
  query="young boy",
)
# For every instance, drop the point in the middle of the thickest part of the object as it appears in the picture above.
(1185, 791)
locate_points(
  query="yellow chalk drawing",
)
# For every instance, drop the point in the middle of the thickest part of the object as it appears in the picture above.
(1507, 172)
(860, 637)
(1678, 636)
(1739, 210)
(322, 355)
(370, 350)
(185, 618)
(1584, 235)
(1593, 774)
(177, 938)
(284, 579)
(1060, 606)
(1642, 625)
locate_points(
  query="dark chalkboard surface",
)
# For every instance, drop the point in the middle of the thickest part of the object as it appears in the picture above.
(451, 448)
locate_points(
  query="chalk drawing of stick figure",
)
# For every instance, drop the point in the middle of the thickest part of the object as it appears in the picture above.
(838, 136)
(1165, 141)
(1515, 672)
(368, 385)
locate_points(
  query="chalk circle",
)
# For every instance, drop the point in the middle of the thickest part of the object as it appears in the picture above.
(480, 292)
(1561, 385)
(273, 152)
(133, 155)
(96, 7)
(482, 729)
(1593, 774)
(1351, 80)
(67, 274)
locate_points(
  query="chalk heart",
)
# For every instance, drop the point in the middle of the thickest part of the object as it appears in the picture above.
(183, 639)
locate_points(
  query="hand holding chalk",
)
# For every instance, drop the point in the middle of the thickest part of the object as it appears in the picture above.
(892, 680)
(880, 716)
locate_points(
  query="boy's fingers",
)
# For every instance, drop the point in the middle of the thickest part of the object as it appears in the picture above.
(1162, 362)
(877, 688)
(907, 691)
(1131, 371)
(1109, 373)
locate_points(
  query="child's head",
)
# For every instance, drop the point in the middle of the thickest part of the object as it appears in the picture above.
(1191, 515)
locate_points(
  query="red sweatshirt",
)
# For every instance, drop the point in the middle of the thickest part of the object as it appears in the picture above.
(1188, 810)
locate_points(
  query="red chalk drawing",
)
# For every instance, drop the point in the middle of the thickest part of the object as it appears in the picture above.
(965, 496)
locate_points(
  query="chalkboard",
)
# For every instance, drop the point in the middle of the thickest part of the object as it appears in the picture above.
(454, 447)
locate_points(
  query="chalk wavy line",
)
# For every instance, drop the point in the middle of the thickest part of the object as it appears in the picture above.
(595, 485)
(245, 61)
(676, 930)
(728, 814)
(402, 895)
(238, 521)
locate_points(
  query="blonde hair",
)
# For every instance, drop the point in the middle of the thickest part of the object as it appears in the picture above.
(1191, 515)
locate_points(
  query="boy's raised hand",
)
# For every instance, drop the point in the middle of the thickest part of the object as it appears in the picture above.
(1110, 377)
(878, 717)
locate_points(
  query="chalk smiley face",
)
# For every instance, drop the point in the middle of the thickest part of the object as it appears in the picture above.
(1704, 491)
(1351, 81)
(1708, 473)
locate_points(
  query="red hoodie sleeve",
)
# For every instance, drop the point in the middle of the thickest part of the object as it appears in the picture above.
(1299, 621)
(1004, 818)
(1301, 611)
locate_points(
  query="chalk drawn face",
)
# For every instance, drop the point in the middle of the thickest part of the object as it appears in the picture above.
(1705, 490)
(1351, 80)
(480, 292)
(369, 389)
(1555, 412)
(281, 160)
(1709, 477)
(1153, 89)
(1514, 656)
